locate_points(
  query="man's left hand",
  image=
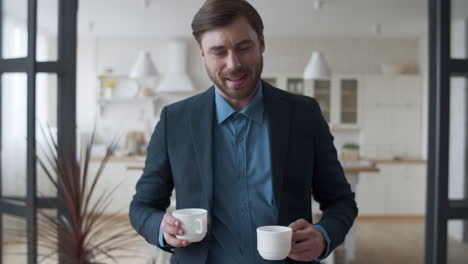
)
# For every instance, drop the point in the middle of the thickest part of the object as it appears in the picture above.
(308, 242)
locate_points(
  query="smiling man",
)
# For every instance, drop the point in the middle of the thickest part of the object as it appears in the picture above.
(233, 59)
(247, 152)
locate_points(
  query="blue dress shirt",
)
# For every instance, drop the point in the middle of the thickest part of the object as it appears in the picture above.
(243, 194)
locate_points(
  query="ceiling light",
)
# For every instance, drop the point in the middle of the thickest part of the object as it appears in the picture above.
(143, 66)
(318, 5)
(91, 27)
(317, 68)
(377, 29)
(147, 3)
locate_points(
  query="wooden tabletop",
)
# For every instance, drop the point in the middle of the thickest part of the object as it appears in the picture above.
(398, 161)
(361, 169)
(140, 159)
(136, 163)
(371, 168)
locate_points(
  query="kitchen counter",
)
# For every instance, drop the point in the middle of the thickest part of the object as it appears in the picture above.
(137, 163)
(398, 161)
(135, 158)
(347, 169)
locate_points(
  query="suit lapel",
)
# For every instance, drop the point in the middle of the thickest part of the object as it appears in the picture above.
(278, 110)
(201, 126)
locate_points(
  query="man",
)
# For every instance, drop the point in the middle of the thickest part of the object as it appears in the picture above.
(248, 153)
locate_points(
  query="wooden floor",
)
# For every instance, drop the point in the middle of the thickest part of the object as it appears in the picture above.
(397, 241)
(378, 242)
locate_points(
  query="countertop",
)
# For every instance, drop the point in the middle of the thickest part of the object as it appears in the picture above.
(136, 162)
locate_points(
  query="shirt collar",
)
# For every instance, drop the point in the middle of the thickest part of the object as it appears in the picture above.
(254, 110)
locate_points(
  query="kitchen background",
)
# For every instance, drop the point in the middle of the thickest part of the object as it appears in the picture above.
(383, 67)
(376, 97)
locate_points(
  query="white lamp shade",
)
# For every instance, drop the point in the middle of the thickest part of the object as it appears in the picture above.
(317, 68)
(143, 67)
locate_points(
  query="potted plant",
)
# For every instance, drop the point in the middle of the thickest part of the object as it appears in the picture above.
(82, 233)
(350, 152)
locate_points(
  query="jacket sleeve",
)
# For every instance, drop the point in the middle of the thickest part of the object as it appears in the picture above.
(154, 188)
(329, 185)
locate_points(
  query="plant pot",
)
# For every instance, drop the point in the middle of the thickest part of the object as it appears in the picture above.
(350, 155)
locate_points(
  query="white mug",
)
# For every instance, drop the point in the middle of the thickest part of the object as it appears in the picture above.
(194, 223)
(274, 242)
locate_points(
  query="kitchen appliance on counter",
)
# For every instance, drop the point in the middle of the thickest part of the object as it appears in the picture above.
(135, 143)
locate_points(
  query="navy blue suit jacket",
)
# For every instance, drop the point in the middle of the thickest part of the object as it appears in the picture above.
(304, 162)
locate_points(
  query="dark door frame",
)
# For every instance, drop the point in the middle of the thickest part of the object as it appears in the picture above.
(65, 68)
(440, 209)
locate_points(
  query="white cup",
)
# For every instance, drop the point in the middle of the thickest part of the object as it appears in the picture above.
(274, 242)
(193, 222)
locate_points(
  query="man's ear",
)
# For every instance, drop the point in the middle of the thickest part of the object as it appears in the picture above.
(202, 53)
(261, 39)
(200, 46)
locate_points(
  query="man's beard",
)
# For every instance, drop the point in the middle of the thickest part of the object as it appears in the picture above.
(253, 77)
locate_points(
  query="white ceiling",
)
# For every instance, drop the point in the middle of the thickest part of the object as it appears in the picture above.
(172, 18)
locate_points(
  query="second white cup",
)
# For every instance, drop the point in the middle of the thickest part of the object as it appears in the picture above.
(194, 223)
(274, 242)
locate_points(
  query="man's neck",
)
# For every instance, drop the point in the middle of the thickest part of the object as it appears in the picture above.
(238, 104)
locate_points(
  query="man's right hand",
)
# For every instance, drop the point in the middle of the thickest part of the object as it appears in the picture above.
(171, 227)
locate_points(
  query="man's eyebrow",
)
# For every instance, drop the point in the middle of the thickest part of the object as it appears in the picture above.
(215, 48)
(221, 47)
(244, 42)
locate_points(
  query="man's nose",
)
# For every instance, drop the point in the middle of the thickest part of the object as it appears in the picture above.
(233, 61)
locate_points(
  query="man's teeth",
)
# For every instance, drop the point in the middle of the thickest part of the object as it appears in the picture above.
(237, 78)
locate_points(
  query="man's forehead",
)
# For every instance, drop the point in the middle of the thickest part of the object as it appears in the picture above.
(238, 31)
(225, 41)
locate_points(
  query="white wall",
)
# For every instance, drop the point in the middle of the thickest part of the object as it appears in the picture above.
(345, 55)
(282, 55)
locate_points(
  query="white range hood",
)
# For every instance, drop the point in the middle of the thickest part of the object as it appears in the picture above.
(176, 79)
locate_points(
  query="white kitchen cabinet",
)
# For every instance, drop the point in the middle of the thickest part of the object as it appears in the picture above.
(398, 189)
(370, 194)
(114, 174)
(391, 122)
(406, 189)
(339, 98)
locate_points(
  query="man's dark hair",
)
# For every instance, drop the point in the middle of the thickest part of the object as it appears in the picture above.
(220, 13)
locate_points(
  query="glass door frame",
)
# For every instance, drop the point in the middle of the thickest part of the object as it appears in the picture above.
(65, 68)
(439, 208)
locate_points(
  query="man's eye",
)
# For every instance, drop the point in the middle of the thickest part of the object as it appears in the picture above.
(219, 53)
(245, 48)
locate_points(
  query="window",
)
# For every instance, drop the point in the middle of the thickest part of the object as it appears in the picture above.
(295, 85)
(323, 96)
(349, 101)
(27, 98)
